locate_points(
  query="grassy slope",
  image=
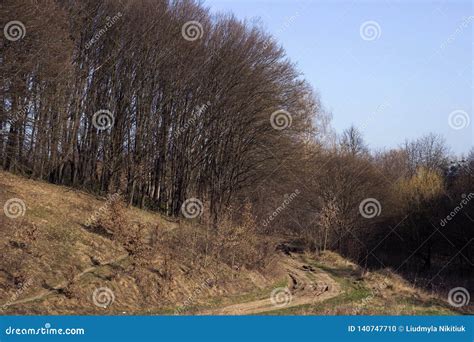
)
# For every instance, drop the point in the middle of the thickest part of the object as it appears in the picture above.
(65, 247)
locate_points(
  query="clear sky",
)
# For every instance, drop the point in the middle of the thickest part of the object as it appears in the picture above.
(399, 76)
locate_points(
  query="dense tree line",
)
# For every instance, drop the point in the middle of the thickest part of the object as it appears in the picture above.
(188, 117)
(163, 101)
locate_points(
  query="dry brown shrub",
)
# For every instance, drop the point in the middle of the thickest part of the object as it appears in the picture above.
(237, 242)
(110, 219)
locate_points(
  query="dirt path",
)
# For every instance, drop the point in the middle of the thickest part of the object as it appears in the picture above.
(62, 285)
(306, 285)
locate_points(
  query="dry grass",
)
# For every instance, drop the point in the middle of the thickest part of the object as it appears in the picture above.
(70, 243)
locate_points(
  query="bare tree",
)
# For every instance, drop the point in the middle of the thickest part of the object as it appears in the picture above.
(352, 142)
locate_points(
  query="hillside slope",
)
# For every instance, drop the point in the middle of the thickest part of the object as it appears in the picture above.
(53, 263)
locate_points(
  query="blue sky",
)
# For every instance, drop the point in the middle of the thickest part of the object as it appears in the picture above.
(404, 83)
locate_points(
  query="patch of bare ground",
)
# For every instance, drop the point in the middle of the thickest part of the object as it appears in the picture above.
(306, 285)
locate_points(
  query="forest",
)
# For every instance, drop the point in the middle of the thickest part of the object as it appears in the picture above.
(204, 117)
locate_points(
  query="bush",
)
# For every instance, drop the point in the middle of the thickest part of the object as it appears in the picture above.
(238, 244)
